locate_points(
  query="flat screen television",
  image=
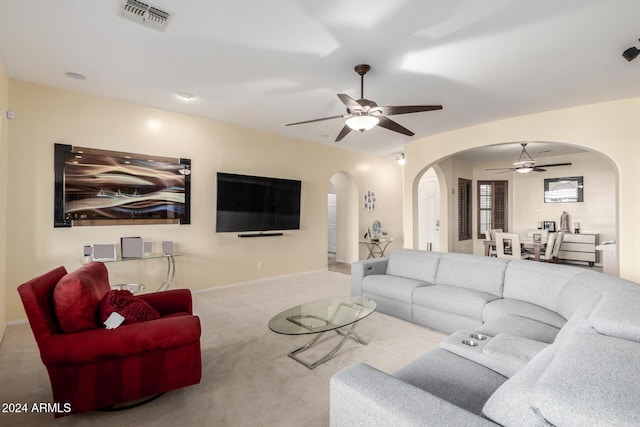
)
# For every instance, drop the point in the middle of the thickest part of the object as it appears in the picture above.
(254, 203)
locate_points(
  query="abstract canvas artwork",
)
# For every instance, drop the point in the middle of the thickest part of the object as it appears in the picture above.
(101, 185)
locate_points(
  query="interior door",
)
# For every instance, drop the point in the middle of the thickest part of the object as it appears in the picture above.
(429, 213)
(332, 237)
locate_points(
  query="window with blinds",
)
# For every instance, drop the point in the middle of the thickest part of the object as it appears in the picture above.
(464, 209)
(492, 206)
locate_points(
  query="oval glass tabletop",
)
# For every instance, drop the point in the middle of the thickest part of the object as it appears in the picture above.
(322, 315)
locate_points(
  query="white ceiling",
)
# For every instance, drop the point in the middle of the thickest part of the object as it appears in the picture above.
(265, 63)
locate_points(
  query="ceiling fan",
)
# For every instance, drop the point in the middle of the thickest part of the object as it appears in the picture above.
(526, 164)
(364, 114)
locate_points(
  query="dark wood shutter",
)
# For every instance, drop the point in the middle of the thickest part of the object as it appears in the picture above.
(492, 206)
(464, 209)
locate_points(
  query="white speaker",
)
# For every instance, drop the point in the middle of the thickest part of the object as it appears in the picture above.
(104, 252)
(167, 247)
(148, 247)
(131, 247)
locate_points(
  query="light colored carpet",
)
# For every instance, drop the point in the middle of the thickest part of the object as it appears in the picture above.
(247, 378)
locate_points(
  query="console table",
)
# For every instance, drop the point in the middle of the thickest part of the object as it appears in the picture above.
(137, 287)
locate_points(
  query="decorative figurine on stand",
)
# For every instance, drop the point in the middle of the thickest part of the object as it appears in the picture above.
(564, 222)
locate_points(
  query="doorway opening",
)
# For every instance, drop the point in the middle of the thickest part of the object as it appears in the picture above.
(342, 223)
(429, 211)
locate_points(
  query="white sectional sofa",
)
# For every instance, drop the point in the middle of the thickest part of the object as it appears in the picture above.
(531, 344)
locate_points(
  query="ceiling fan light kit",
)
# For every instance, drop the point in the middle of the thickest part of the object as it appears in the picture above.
(526, 164)
(364, 114)
(362, 123)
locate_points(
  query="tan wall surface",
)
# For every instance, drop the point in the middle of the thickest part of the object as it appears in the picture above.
(4, 144)
(45, 115)
(610, 128)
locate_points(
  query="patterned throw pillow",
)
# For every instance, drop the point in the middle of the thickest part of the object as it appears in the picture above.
(132, 308)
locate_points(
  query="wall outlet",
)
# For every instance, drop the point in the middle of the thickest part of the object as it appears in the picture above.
(260, 264)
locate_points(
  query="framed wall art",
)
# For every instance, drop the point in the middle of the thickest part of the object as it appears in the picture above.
(101, 187)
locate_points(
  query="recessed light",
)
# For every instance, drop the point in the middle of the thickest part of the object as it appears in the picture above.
(185, 96)
(76, 76)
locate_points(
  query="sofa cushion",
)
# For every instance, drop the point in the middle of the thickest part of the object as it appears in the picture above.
(617, 315)
(453, 299)
(510, 404)
(592, 380)
(500, 307)
(537, 283)
(123, 302)
(414, 264)
(76, 297)
(452, 378)
(521, 327)
(394, 287)
(484, 274)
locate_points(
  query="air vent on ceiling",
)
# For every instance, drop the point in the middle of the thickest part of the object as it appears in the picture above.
(145, 14)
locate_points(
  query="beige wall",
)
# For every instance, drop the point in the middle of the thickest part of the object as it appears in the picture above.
(46, 115)
(610, 128)
(4, 143)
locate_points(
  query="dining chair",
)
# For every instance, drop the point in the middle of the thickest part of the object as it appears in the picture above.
(547, 256)
(495, 231)
(487, 237)
(557, 246)
(502, 247)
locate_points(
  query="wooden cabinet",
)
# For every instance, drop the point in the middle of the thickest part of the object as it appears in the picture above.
(579, 247)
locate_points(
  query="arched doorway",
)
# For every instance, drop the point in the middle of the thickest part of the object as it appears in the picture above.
(342, 223)
(597, 214)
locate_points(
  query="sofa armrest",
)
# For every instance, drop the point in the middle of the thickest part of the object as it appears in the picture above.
(170, 302)
(364, 268)
(365, 396)
(126, 340)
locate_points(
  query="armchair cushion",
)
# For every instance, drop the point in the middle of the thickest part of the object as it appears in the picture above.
(76, 297)
(133, 309)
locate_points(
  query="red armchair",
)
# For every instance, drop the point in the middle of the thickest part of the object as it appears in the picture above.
(97, 368)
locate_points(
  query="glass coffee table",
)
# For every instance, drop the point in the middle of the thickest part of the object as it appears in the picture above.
(318, 317)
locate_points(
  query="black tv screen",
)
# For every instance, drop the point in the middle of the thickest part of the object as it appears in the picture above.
(253, 203)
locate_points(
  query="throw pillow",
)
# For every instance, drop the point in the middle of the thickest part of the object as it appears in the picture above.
(76, 297)
(132, 308)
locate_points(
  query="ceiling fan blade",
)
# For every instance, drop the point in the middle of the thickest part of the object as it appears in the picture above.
(537, 169)
(499, 169)
(554, 164)
(349, 102)
(390, 110)
(508, 170)
(318, 120)
(387, 123)
(344, 132)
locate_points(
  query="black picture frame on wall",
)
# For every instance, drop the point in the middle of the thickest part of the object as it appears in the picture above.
(102, 187)
(569, 189)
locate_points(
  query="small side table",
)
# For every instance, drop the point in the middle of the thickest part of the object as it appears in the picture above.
(376, 246)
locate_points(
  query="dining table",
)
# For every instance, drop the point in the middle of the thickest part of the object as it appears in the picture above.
(537, 247)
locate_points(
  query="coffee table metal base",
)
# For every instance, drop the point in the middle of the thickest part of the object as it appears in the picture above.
(350, 334)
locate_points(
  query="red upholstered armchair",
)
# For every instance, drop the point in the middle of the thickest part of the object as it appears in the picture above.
(91, 367)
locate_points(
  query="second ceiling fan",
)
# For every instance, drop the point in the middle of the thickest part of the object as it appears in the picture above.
(364, 114)
(526, 164)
